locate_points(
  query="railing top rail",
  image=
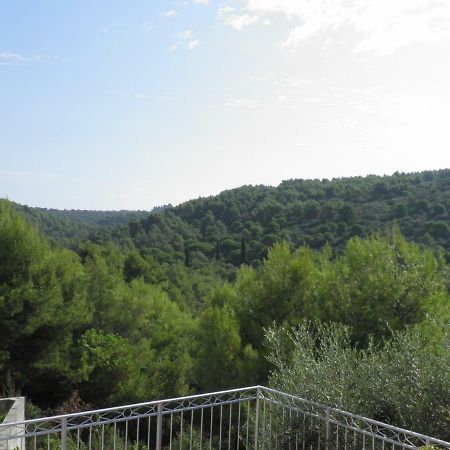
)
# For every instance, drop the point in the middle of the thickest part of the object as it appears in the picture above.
(253, 390)
(358, 417)
(130, 406)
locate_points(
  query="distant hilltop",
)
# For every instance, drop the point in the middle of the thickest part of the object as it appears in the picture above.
(311, 212)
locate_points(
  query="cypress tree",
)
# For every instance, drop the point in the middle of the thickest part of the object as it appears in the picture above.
(243, 251)
(187, 255)
(217, 250)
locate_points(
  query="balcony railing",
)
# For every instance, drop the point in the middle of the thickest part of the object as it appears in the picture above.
(248, 418)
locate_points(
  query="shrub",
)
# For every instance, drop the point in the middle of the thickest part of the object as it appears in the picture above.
(404, 381)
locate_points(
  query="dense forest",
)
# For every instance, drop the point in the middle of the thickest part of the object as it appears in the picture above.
(240, 225)
(68, 227)
(102, 308)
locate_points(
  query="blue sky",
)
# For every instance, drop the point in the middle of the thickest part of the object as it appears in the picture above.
(128, 105)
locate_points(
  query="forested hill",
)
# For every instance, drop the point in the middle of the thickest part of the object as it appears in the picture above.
(102, 324)
(70, 226)
(240, 225)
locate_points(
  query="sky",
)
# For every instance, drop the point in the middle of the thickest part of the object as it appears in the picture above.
(119, 104)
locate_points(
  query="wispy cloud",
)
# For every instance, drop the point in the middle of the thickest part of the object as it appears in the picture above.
(129, 94)
(236, 19)
(8, 58)
(201, 2)
(171, 13)
(373, 108)
(383, 26)
(240, 21)
(184, 34)
(181, 36)
(193, 44)
(246, 103)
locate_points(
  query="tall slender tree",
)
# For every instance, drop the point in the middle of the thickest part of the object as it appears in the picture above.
(243, 251)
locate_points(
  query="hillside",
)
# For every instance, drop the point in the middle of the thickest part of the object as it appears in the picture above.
(70, 226)
(241, 224)
(108, 324)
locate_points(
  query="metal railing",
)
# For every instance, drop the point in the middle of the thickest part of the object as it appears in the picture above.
(249, 418)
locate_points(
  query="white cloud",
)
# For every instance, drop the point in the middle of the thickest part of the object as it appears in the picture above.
(236, 20)
(383, 25)
(129, 94)
(224, 10)
(193, 44)
(171, 13)
(245, 103)
(201, 2)
(140, 96)
(8, 58)
(373, 109)
(184, 34)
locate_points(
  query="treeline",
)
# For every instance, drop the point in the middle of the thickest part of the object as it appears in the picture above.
(73, 227)
(102, 308)
(241, 225)
(117, 326)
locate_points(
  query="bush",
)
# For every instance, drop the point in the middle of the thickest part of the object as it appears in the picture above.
(405, 381)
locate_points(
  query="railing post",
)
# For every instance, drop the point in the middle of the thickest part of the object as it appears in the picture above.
(64, 433)
(327, 427)
(159, 426)
(258, 395)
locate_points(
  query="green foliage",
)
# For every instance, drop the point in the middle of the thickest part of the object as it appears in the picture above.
(297, 211)
(109, 364)
(73, 227)
(301, 212)
(404, 381)
(125, 307)
(384, 284)
(193, 440)
(42, 305)
(377, 285)
(70, 324)
(99, 439)
(218, 346)
(221, 360)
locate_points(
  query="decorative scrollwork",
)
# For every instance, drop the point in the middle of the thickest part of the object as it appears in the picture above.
(314, 422)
